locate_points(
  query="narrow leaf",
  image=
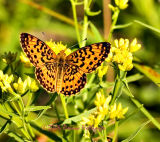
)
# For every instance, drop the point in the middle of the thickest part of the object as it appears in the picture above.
(15, 136)
(47, 133)
(8, 113)
(96, 33)
(78, 117)
(136, 132)
(122, 26)
(91, 13)
(53, 97)
(148, 26)
(134, 77)
(4, 126)
(149, 72)
(127, 87)
(36, 108)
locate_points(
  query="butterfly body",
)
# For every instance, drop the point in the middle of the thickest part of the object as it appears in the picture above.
(61, 73)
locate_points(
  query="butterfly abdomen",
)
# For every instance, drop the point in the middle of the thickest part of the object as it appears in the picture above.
(59, 74)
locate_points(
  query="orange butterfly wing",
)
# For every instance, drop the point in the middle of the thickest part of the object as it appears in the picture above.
(74, 80)
(46, 76)
(90, 57)
(84, 60)
(36, 50)
(42, 57)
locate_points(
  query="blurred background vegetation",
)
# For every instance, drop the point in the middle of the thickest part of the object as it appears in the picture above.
(17, 16)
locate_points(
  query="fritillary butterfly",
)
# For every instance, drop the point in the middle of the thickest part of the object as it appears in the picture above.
(61, 73)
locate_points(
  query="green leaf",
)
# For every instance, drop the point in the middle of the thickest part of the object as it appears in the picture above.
(91, 13)
(7, 112)
(4, 126)
(149, 72)
(78, 117)
(134, 77)
(122, 26)
(127, 87)
(137, 22)
(97, 35)
(53, 97)
(15, 136)
(36, 108)
(136, 132)
(47, 133)
(148, 26)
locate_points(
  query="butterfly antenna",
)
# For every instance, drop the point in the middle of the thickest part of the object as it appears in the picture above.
(77, 43)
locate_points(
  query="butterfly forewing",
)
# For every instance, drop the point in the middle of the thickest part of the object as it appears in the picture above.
(90, 57)
(36, 50)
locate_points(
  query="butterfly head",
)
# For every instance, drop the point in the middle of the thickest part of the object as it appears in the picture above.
(61, 54)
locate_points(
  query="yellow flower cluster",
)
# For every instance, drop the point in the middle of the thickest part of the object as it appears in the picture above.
(122, 53)
(117, 111)
(20, 87)
(103, 109)
(57, 47)
(25, 60)
(122, 4)
(5, 81)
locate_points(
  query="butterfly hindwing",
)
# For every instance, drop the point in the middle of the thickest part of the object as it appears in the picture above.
(90, 57)
(46, 75)
(36, 50)
(74, 79)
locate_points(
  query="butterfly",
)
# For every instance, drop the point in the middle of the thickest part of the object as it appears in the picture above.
(60, 73)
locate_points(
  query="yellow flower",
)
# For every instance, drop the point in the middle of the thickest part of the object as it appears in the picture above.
(102, 110)
(122, 53)
(34, 86)
(25, 60)
(5, 81)
(57, 47)
(112, 7)
(117, 111)
(102, 70)
(122, 4)
(134, 46)
(20, 86)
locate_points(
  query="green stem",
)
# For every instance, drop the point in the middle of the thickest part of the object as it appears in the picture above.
(113, 23)
(8, 108)
(30, 130)
(118, 86)
(146, 113)
(76, 21)
(29, 98)
(85, 24)
(117, 89)
(115, 131)
(64, 105)
(57, 112)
